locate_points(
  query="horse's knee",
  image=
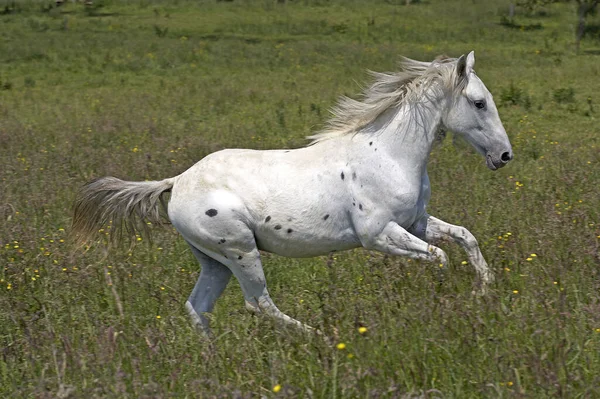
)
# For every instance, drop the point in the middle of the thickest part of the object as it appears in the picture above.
(440, 256)
(467, 239)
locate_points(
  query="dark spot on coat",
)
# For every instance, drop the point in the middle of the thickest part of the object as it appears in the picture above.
(354, 204)
(211, 212)
(222, 241)
(278, 227)
(240, 257)
(289, 219)
(342, 175)
(285, 152)
(360, 206)
(325, 217)
(267, 219)
(289, 231)
(353, 176)
(370, 143)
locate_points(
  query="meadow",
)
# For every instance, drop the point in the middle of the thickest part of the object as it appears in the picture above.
(143, 89)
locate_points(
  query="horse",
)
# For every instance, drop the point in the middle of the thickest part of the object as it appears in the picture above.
(361, 182)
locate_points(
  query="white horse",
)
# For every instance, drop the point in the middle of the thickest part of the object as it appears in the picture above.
(361, 183)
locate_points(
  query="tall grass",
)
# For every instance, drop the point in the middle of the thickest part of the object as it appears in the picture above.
(143, 89)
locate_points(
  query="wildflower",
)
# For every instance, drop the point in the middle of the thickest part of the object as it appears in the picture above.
(362, 330)
(350, 355)
(158, 316)
(555, 282)
(162, 288)
(533, 255)
(341, 346)
(277, 388)
(509, 383)
(598, 330)
(529, 259)
(9, 286)
(515, 292)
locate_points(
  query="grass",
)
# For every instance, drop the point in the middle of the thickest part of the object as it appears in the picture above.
(143, 89)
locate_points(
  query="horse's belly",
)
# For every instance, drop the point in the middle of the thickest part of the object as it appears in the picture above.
(305, 244)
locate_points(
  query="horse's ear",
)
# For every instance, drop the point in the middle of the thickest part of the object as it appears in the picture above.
(470, 62)
(465, 64)
(461, 67)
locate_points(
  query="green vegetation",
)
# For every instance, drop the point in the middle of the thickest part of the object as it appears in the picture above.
(143, 89)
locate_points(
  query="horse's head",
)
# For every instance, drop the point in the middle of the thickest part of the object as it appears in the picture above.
(473, 115)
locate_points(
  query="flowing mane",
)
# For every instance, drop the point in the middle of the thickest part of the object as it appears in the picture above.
(389, 90)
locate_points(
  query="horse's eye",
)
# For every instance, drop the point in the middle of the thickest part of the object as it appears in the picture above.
(480, 104)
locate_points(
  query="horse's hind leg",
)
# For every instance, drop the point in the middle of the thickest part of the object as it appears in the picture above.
(248, 269)
(213, 279)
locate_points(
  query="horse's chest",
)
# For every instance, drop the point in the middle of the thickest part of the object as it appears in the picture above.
(402, 199)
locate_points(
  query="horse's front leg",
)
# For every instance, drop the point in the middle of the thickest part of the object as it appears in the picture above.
(434, 231)
(395, 240)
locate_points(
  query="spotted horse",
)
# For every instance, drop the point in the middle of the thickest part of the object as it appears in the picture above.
(361, 182)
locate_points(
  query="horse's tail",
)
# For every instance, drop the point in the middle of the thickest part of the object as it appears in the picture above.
(121, 206)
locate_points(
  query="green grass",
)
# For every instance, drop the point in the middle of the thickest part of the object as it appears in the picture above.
(143, 89)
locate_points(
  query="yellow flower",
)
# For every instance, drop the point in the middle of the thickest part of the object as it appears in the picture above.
(341, 346)
(529, 259)
(350, 356)
(362, 330)
(464, 262)
(509, 383)
(277, 388)
(158, 316)
(533, 255)
(515, 291)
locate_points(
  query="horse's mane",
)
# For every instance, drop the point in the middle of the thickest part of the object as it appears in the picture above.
(389, 90)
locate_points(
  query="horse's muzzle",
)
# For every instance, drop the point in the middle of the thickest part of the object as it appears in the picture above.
(496, 162)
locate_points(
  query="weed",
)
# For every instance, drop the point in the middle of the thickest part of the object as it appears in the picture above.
(565, 95)
(160, 31)
(515, 95)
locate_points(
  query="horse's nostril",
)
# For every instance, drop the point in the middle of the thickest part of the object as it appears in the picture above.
(506, 157)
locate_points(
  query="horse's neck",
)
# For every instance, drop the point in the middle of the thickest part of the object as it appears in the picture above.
(410, 132)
